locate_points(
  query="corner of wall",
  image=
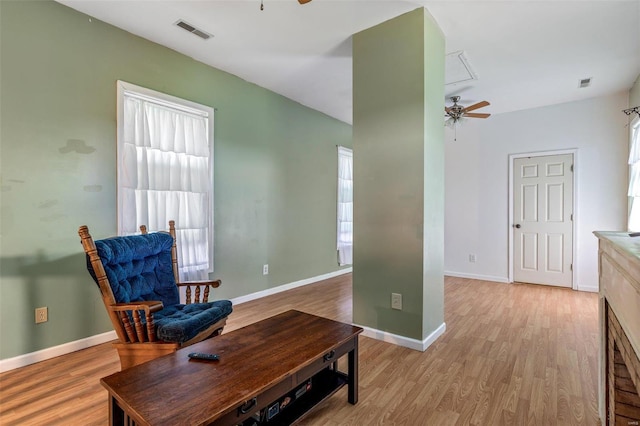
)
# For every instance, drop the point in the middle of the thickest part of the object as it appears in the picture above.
(634, 93)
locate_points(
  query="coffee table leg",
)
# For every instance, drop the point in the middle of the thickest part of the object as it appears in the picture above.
(353, 374)
(116, 413)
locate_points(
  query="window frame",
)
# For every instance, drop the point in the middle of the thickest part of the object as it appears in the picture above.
(634, 131)
(173, 102)
(343, 152)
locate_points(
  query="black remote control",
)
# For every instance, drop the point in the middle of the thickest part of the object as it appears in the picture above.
(204, 357)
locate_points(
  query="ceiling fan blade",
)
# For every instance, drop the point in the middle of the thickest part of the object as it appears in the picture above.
(303, 1)
(447, 110)
(476, 115)
(476, 106)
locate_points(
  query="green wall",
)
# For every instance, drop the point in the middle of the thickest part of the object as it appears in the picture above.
(434, 189)
(398, 78)
(275, 169)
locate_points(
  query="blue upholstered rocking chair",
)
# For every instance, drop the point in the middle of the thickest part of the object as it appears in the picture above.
(138, 278)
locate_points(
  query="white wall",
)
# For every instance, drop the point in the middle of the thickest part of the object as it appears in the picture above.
(634, 93)
(477, 178)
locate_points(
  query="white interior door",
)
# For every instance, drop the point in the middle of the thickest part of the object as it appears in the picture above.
(542, 220)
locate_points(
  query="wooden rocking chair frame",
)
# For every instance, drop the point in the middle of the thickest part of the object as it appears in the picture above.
(137, 342)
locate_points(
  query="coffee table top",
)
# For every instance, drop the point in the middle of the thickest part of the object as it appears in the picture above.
(173, 389)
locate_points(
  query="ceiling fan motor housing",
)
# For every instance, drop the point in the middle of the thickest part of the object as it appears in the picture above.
(455, 111)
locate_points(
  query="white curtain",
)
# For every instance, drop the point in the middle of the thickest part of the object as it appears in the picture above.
(345, 206)
(165, 174)
(634, 177)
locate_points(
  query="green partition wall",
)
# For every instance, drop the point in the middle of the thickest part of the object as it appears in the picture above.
(398, 136)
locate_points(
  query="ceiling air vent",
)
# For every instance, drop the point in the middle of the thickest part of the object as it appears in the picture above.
(585, 82)
(193, 30)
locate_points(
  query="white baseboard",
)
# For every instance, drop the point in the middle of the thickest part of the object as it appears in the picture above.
(477, 277)
(588, 289)
(402, 340)
(66, 348)
(268, 292)
(52, 352)
(506, 280)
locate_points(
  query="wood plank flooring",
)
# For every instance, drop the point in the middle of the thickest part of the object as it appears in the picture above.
(512, 355)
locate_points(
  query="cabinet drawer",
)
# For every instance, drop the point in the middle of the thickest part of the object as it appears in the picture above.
(323, 362)
(249, 408)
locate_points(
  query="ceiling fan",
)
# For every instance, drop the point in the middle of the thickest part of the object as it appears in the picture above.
(456, 112)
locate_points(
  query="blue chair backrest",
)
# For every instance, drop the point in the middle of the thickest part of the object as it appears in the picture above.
(139, 267)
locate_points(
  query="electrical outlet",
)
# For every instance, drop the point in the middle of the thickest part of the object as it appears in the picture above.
(396, 301)
(42, 315)
(472, 258)
(265, 269)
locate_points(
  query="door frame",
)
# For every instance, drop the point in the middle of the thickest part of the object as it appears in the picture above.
(576, 217)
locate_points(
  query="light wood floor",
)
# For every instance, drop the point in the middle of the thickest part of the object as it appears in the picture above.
(512, 354)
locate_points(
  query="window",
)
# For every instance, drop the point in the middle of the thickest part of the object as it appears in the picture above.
(634, 176)
(165, 172)
(345, 206)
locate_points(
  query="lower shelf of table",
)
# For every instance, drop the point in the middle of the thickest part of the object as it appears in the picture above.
(323, 385)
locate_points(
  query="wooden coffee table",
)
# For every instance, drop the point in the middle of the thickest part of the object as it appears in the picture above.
(288, 361)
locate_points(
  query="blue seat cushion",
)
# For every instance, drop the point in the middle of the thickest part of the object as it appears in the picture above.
(180, 323)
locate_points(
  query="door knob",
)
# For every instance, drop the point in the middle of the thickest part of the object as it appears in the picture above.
(517, 225)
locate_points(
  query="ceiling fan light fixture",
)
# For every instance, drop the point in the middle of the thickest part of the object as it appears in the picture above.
(451, 122)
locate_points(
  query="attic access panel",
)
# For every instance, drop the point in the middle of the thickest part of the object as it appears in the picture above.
(457, 68)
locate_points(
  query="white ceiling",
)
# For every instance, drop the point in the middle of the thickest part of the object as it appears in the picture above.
(525, 53)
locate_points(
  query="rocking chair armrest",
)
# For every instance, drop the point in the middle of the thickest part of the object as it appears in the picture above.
(202, 290)
(150, 306)
(132, 326)
(212, 283)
